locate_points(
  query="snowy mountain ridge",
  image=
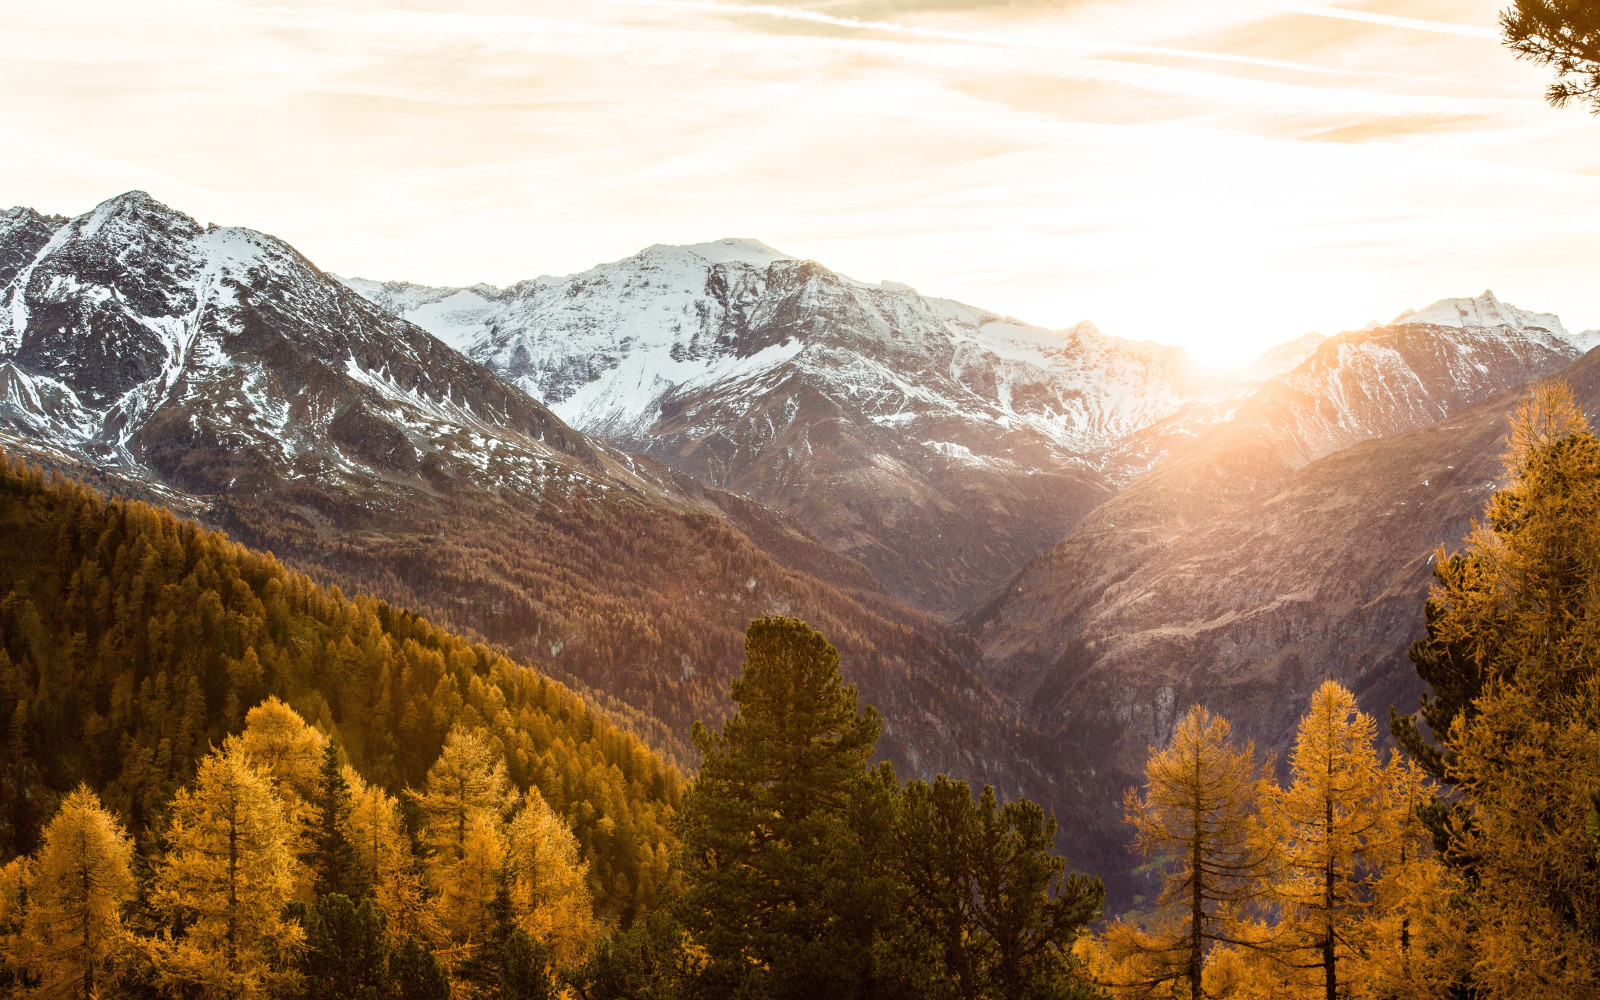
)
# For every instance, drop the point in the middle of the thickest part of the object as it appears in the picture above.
(606, 349)
(217, 372)
(134, 338)
(888, 422)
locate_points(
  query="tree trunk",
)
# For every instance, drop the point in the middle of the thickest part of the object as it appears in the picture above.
(88, 950)
(1405, 924)
(233, 885)
(1197, 913)
(1330, 969)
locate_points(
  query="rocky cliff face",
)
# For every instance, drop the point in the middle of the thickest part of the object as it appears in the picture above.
(938, 444)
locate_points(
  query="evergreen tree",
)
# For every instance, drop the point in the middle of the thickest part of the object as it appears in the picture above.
(346, 953)
(223, 884)
(418, 973)
(1561, 34)
(525, 969)
(652, 960)
(1455, 678)
(985, 887)
(1198, 815)
(335, 867)
(71, 935)
(509, 964)
(780, 888)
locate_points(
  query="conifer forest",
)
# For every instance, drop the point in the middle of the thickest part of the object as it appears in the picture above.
(223, 780)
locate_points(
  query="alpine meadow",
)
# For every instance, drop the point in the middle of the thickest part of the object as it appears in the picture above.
(712, 624)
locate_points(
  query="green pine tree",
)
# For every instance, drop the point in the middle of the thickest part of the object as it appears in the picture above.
(333, 861)
(1455, 677)
(988, 893)
(510, 964)
(346, 954)
(525, 969)
(782, 890)
(417, 973)
(1563, 35)
(649, 961)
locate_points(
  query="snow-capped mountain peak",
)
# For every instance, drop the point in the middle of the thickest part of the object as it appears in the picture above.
(1485, 312)
(732, 250)
(134, 337)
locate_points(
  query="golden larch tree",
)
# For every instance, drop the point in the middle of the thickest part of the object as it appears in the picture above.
(1524, 754)
(1335, 827)
(14, 878)
(227, 874)
(1196, 813)
(289, 752)
(468, 779)
(384, 854)
(549, 881)
(71, 935)
(465, 801)
(467, 883)
(283, 746)
(1410, 944)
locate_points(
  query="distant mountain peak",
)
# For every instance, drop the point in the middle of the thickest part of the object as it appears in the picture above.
(133, 202)
(132, 212)
(1484, 312)
(731, 250)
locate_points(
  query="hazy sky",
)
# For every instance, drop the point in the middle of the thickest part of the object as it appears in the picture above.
(1223, 174)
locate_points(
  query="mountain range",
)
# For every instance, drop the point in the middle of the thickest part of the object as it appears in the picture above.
(937, 444)
(1035, 548)
(219, 373)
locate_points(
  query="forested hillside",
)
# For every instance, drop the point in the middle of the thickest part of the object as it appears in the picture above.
(217, 372)
(131, 643)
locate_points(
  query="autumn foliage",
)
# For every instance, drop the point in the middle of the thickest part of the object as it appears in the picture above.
(1465, 865)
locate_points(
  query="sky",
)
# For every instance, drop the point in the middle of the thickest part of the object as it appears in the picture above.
(1219, 174)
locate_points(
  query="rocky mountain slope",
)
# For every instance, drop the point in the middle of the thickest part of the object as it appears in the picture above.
(217, 371)
(936, 443)
(1288, 543)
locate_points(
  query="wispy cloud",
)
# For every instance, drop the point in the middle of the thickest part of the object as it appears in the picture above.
(1391, 21)
(1221, 175)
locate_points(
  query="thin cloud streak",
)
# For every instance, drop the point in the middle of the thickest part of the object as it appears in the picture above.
(1389, 20)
